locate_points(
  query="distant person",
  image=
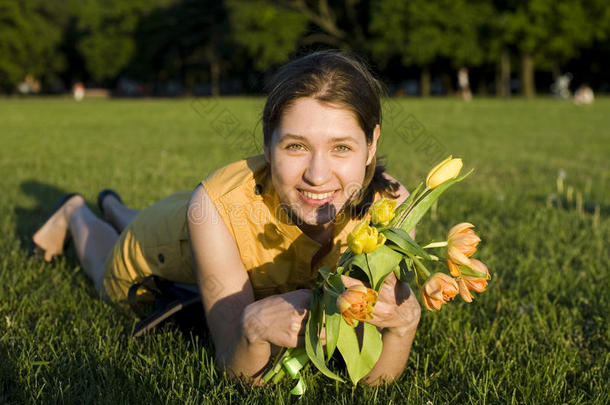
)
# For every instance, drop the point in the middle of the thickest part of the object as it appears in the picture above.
(561, 87)
(584, 95)
(253, 234)
(29, 85)
(464, 84)
(78, 90)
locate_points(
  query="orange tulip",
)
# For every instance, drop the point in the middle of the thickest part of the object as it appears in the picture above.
(461, 244)
(476, 284)
(438, 289)
(357, 303)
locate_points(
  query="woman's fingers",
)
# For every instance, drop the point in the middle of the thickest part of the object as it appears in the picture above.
(349, 281)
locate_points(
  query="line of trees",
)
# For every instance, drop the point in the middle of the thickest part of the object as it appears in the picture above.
(195, 41)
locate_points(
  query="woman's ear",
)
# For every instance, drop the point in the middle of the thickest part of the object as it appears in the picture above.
(373, 145)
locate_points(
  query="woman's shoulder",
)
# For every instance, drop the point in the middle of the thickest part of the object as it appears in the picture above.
(237, 174)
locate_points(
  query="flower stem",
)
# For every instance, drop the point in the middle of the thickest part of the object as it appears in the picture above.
(407, 211)
(435, 245)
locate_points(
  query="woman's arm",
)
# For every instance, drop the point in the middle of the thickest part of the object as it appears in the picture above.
(225, 288)
(242, 329)
(397, 339)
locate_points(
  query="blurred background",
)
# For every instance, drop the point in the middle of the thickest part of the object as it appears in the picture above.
(202, 47)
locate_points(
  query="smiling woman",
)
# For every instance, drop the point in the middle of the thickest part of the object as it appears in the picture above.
(253, 234)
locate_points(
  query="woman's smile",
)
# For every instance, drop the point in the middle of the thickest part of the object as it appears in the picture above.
(317, 199)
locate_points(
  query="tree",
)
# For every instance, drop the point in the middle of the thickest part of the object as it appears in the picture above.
(107, 32)
(421, 32)
(550, 32)
(30, 34)
(269, 33)
(184, 39)
(271, 30)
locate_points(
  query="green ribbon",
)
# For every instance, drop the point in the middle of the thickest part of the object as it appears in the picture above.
(293, 365)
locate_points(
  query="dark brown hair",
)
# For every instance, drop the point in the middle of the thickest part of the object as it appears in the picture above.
(333, 77)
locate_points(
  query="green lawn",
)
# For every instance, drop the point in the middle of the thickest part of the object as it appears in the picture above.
(539, 335)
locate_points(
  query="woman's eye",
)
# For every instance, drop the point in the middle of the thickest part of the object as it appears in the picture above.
(342, 148)
(294, 146)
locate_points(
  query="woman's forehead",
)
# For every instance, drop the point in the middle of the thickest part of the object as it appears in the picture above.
(310, 119)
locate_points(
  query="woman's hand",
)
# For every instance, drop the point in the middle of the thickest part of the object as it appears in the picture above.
(396, 308)
(279, 320)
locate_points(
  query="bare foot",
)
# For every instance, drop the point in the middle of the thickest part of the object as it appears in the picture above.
(53, 234)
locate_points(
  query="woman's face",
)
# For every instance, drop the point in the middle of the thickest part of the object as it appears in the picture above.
(318, 156)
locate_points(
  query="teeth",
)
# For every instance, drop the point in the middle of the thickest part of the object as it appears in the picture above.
(315, 196)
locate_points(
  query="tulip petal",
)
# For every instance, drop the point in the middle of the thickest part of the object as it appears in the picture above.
(464, 292)
(455, 255)
(458, 228)
(435, 168)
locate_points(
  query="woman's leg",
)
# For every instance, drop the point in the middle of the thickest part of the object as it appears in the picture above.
(117, 213)
(93, 238)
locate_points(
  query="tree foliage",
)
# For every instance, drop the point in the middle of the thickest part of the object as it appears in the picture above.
(421, 31)
(269, 33)
(196, 40)
(30, 34)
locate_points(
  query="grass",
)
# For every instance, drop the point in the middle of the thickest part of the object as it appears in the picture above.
(540, 334)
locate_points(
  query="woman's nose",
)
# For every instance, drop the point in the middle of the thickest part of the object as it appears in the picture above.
(318, 171)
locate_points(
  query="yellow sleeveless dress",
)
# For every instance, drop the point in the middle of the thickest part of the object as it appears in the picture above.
(276, 253)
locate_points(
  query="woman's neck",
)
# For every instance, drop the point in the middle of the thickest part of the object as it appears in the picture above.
(323, 234)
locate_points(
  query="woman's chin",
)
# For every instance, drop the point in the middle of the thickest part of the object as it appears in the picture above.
(319, 217)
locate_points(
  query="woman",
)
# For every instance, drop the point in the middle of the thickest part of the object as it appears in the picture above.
(253, 234)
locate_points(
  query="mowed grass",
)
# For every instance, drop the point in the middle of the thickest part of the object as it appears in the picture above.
(539, 335)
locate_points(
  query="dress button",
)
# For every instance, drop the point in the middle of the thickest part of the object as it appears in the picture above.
(258, 189)
(161, 258)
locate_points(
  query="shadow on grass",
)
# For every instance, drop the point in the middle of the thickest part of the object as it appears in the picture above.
(9, 384)
(29, 219)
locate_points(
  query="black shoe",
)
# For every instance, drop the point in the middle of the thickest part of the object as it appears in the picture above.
(103, 194)
(37, 251)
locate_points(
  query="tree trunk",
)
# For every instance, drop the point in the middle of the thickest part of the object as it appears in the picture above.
(215, 76)
(425, 82)
(448, 84)
(528, 88)
(503, 77)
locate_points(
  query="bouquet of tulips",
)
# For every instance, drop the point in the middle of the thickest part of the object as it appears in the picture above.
(378, 246)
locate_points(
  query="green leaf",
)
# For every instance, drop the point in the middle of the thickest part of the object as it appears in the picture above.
(359, 363)
(331, 323)
(405, 272)
(334, 280)
(424, 205)
(381, 262)
(401, 241)
(345, 258)
(360, 262)
(313, 345)
(467, 271)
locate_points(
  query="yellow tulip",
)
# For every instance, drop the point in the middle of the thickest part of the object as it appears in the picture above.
(382, 211)
(438, 289)
(461, 244)
(446, 170)
(356, 303)
(365, 238)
